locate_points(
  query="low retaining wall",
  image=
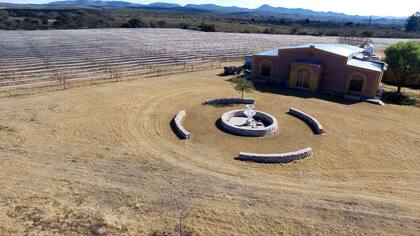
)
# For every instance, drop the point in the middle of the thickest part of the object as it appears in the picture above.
(248, 131)
(375, 101)
(313, 123)
(275, 157)
(227, 101)
(180, 131)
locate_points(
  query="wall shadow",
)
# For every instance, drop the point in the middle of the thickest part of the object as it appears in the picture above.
(219, 105)
(174, 129)
(276, 89)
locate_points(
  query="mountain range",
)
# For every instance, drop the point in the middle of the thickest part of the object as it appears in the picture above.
(296, 13)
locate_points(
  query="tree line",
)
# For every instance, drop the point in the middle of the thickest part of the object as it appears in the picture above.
(35, 19)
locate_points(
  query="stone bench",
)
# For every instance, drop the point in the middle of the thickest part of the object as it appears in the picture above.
(313, 123)
(228, 101)
(275, 157)
(180, 131)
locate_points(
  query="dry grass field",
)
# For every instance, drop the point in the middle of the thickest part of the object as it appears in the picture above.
(103, 160)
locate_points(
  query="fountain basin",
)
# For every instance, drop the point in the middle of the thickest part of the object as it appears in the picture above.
(234, 122)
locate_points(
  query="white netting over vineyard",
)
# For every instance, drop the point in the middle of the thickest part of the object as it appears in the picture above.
(45, 57)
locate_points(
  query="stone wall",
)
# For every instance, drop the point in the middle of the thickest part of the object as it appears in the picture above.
(227, 101)
(180, 131)
(275, 157)
(311, 121)
(249, 131)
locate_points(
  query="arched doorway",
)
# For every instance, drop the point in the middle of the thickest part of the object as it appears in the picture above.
(356, 83)
(303, 77)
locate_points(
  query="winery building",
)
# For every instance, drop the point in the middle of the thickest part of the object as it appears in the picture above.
(332, 68)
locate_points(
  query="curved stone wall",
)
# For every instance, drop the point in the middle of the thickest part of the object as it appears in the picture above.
(313, 123)
(275, 157)
(227, 101)
(248, 131)
(177, 126)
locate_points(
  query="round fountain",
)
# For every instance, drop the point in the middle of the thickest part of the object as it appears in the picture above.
(248, 122)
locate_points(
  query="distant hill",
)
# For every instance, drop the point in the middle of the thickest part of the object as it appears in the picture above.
(164, 5)
(217, 8)
(300, 11)
(329, 15)
(95, 3)
(293, 13)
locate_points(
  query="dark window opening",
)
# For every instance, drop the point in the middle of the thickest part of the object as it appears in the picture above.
(356, 85)
(266, 69)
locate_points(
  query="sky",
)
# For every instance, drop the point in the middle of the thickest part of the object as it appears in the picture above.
(353, 7)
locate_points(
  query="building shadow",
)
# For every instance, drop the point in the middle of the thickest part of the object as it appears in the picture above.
(223, 74)
(276, 89)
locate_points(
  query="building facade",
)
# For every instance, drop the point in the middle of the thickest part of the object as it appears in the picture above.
(332, 68)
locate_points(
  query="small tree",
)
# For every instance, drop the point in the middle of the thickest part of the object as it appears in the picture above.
(207, 27)
(137, 22)
(243, 85)
(63, 78)
(413, 23)
(404, 60)
(114, 75)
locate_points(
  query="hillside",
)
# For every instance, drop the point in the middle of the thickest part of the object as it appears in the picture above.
(162, 15)
(292, 13)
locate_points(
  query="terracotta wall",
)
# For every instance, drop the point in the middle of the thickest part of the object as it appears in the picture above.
(315, 71)
(334, 75)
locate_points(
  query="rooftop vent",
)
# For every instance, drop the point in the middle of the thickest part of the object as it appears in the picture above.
(368, 48)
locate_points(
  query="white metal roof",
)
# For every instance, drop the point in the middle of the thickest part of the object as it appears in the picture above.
(375, 66)
(339, 49)
(344, 50)
(272, 52)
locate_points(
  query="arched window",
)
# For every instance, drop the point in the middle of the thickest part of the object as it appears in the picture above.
(266, 69)
(356, 83)
(303, 77)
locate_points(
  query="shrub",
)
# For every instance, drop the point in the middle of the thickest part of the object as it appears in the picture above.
(367, 33)
(332, 33)
(397, 98)
(269, 31)
(207, 27)
(294, 30)
(137, 22)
